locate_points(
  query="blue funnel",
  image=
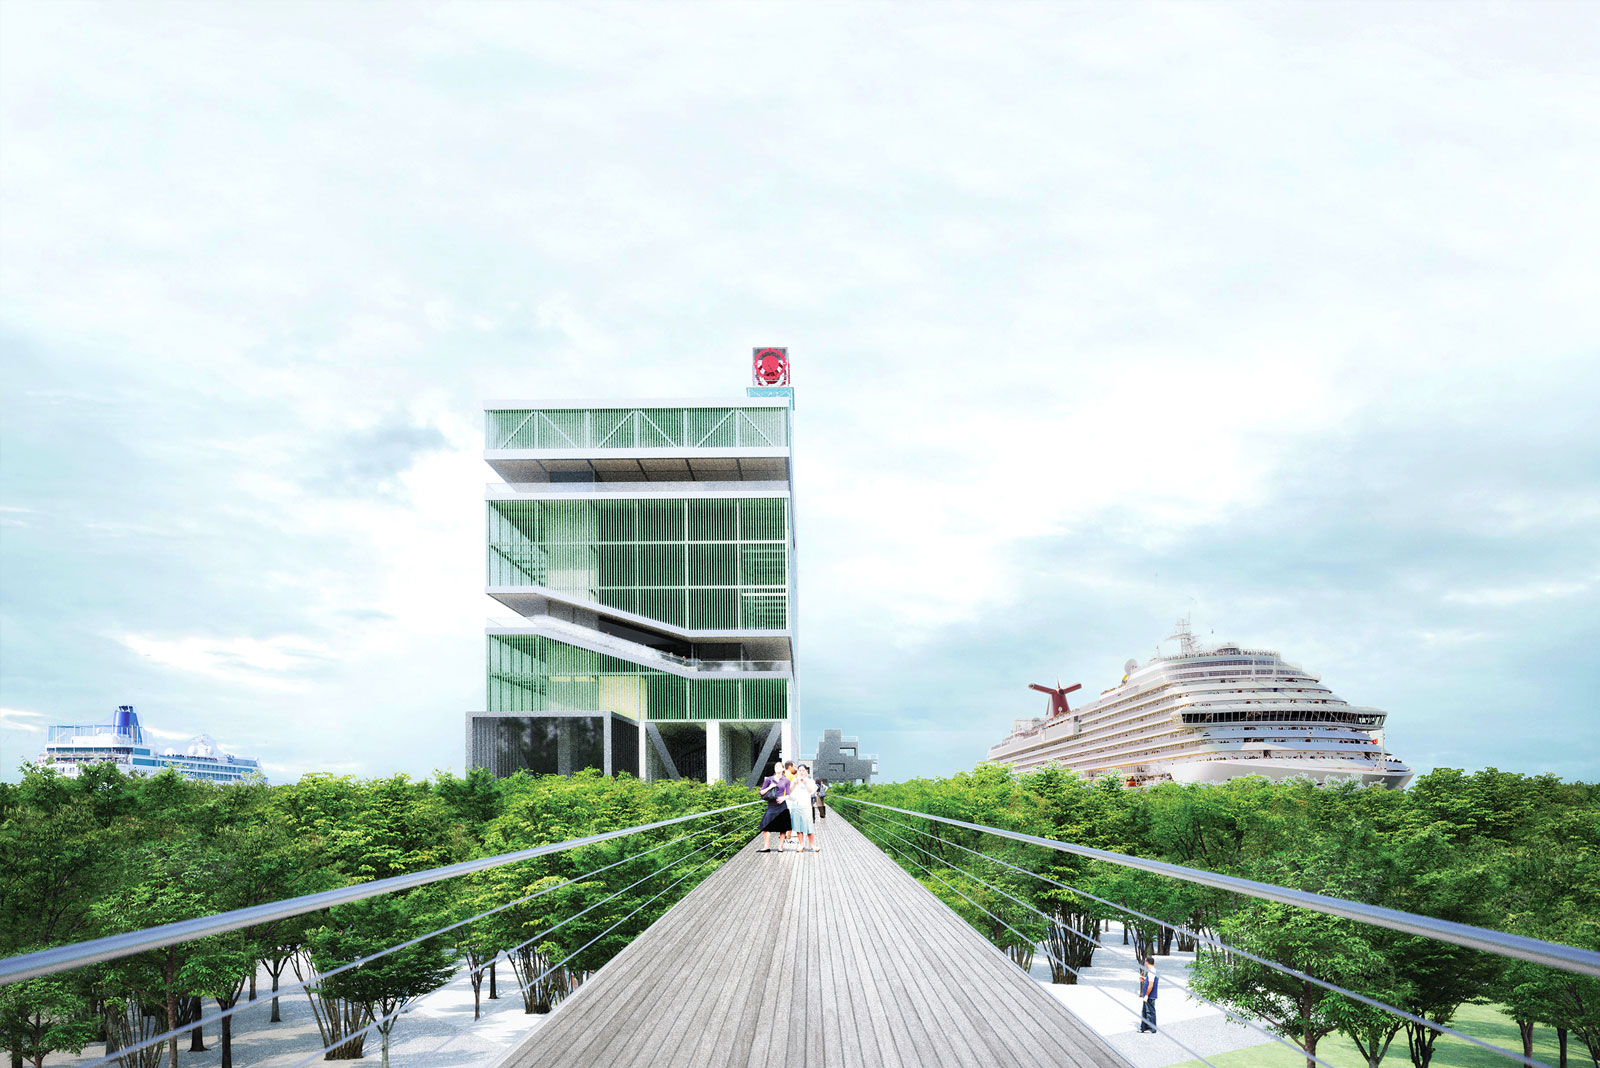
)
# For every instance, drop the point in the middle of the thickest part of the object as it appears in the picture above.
(127, 721)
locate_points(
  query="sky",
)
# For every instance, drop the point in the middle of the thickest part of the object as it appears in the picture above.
(1280, 317)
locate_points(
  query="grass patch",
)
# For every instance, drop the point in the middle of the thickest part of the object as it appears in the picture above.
(1488, 1022)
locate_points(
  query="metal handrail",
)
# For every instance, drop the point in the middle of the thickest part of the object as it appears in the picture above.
(1554, 954)
(62, 958)
(1197, 936)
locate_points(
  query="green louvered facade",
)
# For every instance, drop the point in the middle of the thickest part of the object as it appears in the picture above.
(705, 564)
(534, 673)
(637, 428)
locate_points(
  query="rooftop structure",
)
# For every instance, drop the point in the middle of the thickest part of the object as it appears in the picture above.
(839, 759)
(71, 747)
(647, 550)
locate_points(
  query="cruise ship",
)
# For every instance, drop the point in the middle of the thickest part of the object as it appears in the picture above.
(71, 747)
(1208, 715)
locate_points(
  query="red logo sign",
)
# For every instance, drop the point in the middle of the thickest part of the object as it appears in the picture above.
(771, 367)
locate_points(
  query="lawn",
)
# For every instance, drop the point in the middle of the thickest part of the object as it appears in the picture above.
(1487, 1022)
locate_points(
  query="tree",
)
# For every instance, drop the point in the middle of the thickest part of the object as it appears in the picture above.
(1325, 947)
(373, 994)
(50, 1014)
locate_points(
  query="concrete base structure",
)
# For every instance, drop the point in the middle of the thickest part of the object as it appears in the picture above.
(560, 743)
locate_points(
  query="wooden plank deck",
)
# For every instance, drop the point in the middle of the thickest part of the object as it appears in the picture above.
(837, 958)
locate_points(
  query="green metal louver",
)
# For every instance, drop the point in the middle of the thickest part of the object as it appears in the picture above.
(699, 564)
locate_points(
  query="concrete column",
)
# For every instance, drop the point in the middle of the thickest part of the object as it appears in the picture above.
(788, 743)
(563, 745)
(644, 753)
(713, 751)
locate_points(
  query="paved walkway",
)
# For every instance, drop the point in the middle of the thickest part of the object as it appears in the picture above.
(837, 958)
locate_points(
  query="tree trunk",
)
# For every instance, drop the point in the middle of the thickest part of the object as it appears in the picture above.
(1525, 1027)
(197, 1038)
(477, 987)
(1164, 943)
(1124, 933)
(173, 1024)
(112, 1035)
(252, 983)
(226, 1024)
(275, 1017)
(494, 992)
(16, 1059)
(1561, 1041)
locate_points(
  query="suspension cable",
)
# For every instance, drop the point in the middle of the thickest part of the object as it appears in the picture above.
(1169, 1037)
(1442, 1029)
(416, 1001)
(1228, 1013)
(301, 984)
(62, 958)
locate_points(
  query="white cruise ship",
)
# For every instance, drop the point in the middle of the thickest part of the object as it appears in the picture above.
(71, 747)
(1208, 716)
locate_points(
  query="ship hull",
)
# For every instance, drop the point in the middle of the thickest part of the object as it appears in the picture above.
(1214, 771)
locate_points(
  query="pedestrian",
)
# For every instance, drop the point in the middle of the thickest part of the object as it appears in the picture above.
(801, 794)
(1149, 982)
(820, 808)
(775, 792)
(790, 773)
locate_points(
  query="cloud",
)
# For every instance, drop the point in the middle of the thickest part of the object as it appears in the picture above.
(18, 719)
(1513, 595)
(1123, 312)
(273, 662)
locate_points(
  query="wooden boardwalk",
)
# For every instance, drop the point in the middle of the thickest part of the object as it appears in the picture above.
(837, 958)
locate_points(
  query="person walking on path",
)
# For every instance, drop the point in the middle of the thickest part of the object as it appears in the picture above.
(802, 793)
(820, 808)
(1149, 982)
(775, 792)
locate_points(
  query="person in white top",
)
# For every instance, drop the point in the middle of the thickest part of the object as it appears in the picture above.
(801, 794)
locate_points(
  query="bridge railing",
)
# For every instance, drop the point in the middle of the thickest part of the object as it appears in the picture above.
(710, 838)
(884, 824)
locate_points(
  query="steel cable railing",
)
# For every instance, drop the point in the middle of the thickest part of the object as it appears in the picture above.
(409, 1006)
(554, 967)
(1567, 957)
(1052, 956)
(63, 958)
(1078, 972)
(1198, 936)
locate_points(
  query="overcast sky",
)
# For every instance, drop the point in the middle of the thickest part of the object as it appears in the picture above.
(1282, 316)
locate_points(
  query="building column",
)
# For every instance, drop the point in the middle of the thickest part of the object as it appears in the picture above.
(713, 751)
(788, 742)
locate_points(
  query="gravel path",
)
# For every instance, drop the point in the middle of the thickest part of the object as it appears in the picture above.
(1106, 997)
(438, 1033)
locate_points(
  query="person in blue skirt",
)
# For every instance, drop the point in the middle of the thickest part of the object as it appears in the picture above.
(775, 792)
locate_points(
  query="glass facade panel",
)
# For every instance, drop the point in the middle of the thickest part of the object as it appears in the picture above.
(533, 673)
(698, 564)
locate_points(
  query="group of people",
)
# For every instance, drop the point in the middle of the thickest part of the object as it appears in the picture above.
(794, 802)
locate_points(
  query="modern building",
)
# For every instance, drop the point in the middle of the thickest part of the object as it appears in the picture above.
(69, 748)
(839, 759)
(647, 551)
